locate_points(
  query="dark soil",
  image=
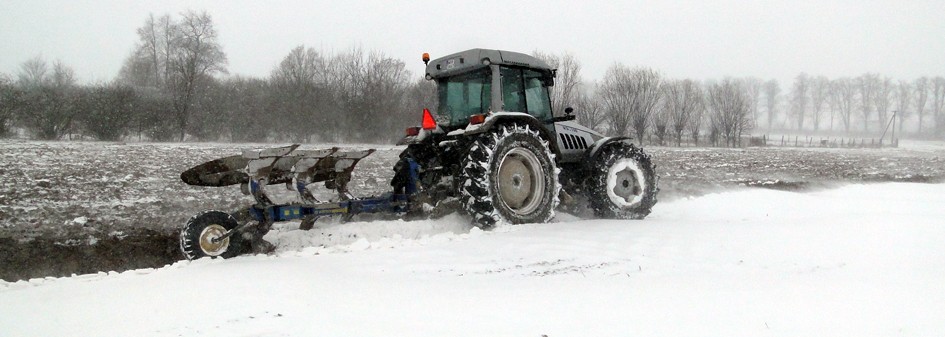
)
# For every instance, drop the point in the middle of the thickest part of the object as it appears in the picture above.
(40, 257)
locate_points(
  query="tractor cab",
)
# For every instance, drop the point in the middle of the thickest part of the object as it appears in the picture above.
(477, 82)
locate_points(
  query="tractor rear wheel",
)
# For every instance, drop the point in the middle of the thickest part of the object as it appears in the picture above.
(622, 183)
(201, 236)
(509, 175)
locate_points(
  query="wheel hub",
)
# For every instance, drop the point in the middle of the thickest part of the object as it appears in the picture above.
(520, 178)
(209, 242)
(624, 183)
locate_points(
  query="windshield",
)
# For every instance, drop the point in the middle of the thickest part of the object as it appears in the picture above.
(464, 95)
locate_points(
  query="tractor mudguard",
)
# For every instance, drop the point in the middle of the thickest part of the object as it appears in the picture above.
(497, 118)
(600, 144)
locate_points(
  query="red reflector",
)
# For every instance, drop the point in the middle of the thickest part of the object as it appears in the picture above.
(413, 131)
(428, 122)
(477, 119)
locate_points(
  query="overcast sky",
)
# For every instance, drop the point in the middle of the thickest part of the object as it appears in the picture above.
(694, 39)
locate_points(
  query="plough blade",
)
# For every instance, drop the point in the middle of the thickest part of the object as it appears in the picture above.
(334, 169)
(281, 165)
(233, 170)
(220, 172)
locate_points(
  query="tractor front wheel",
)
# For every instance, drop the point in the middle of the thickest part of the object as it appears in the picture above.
(622, 182)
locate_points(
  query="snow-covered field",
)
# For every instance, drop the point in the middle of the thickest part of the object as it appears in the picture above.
(858, 260)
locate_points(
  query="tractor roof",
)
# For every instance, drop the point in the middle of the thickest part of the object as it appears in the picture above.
(472, 59)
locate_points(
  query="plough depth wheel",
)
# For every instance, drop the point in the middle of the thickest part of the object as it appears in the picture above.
(205, 235)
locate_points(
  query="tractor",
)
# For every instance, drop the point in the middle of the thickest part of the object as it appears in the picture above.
(495, 144)
(492, 148)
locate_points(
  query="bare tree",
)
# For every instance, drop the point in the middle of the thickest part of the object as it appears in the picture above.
(833, 101)
(149, 63)
(198, 56)
(819, 95)
(683, 99)
(237, 100)
(938, 104)
(298, 84)
(730, 110)
(209, 118)
(753, 88)
(422, 95)
(715, 124)
(844, 90)
(48, 99)
(33, 73)
(369, 94)
(387, 83)
(630, 98)
(903, 100)
(565, 93)
(178, 58)
(107, 110)
(662, 117)
(151, 45)
(921, 97)
(348, 86)
(10, 97)
(866, 86)
(645, 88)
(697, 120)
(881, 100)
(612, 93)
(799, 98)
(590, 110)
(151, 117)
(771, 90)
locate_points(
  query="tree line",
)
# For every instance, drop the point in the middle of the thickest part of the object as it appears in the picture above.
(864, 104)
(641, 102)
(656, 109)
(174, 86)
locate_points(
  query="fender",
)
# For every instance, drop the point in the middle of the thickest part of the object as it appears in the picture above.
(601, 143)
(498, 118)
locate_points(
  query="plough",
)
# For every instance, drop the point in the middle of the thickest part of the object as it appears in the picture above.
(216, 233)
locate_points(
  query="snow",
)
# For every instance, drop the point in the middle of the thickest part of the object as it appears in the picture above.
(859, 260)
(922, 145)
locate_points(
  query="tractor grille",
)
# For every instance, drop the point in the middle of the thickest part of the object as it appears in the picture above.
(572, 142)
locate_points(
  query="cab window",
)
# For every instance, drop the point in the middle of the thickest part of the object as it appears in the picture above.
(523, 90)
(464, 95)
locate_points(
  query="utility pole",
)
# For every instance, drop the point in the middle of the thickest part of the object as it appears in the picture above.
(892, 138)
(892, 121)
